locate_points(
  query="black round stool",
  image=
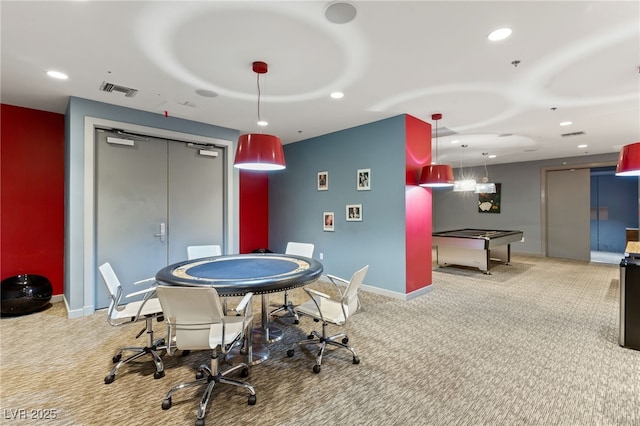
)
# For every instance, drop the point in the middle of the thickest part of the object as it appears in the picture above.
(24, 294)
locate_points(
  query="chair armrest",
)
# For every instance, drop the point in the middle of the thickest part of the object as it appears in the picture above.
(139, 292)
(146, 280)
(311, 291)
(334, 278)
(243, 303)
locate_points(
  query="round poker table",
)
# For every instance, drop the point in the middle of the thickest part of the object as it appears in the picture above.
(236, 275)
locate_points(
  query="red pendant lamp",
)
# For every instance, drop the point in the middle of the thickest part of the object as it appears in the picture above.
(259, 151)
(436, 175)
(629, 160)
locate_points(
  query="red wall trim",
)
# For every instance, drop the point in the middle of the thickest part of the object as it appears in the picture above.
(32, 194)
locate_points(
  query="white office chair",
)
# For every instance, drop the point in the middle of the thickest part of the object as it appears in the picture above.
(119, 314)
(196, 320)
(321, 307)
(298, 249)
(196, 252)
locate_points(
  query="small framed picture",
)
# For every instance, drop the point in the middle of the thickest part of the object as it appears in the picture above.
(364, 180)
(323, 181)
(327, 221)
(354, 212)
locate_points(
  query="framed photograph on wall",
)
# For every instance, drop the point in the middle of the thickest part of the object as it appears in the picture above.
(490, 203)
(354, 212)
(364, 180)
(323, 181)
(327, 221)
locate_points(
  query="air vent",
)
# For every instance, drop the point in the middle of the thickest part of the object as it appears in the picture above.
(110, 87)
(564, 135)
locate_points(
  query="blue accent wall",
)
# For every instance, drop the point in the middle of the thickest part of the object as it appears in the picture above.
(296, 206)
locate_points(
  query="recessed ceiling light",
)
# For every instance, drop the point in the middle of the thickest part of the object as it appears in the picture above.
(566, 123)
(57, 74)
(583, 146)
(499, 34)
(337, 95)
(263, 123)
(455, 141)
(492, 156)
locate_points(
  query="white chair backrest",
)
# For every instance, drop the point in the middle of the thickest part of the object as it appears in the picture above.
(350, 295)
(196, 252)
(190, 311)
(111, 280)
(300, 249)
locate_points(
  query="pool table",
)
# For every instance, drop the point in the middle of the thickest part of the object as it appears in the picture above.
(474, 247)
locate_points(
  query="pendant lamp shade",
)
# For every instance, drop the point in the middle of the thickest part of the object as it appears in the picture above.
(258, 151)
(436, 176)
(629, 160)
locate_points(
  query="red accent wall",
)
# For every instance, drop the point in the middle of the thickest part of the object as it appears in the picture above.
(418, 214)
(32, 194)
(254, 211)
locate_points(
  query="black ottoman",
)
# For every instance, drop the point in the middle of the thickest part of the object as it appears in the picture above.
(25, 294)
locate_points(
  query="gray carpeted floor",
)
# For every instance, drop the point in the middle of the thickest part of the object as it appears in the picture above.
(534, 343)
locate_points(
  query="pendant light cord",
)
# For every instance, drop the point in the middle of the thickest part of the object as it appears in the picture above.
(258, 84)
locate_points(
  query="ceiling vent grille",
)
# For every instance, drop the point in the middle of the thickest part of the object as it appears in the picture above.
(564, 135)
(110, 87)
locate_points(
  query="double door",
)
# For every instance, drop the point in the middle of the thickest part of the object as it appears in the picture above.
(154, 197)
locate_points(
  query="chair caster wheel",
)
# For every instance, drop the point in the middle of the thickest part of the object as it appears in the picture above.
(200, 422)
(244, 372)
(356, 360)
(252, 400)
(290, 353)
(158, 374)
(345, 340)
(199, 375)
(296, 321)
(186, 352)
(116, 358)
(166, 403)
(109, 379)
(310, 337)
(316, 368)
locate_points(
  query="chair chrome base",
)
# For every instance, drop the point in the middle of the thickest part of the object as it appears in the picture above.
(209, 376)
(287, 307)
(323, 341)
(138, 351)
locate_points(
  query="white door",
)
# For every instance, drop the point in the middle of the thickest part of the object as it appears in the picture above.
(154, 197)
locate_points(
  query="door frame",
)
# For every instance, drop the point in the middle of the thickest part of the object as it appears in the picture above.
(89, 225)
(543, 194)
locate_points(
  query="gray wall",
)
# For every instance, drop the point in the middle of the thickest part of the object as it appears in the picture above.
(521, 200)
(296, 206)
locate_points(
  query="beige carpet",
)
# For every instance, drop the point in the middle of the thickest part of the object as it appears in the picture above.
(535, 343)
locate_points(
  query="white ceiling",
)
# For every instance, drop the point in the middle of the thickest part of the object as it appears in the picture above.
(579, 62)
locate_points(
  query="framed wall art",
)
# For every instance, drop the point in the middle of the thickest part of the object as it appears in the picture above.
(489, 203)
(327, 221)
(354, 212)
(364, 180)
(323, 181)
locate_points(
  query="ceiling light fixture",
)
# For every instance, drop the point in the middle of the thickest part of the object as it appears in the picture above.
(629, 160)
(485, 187)
(57, 74)
(436, 175)
(464, 185)
(499, 34)
(258, 151)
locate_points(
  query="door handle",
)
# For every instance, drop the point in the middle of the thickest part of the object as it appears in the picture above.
(162, 233)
